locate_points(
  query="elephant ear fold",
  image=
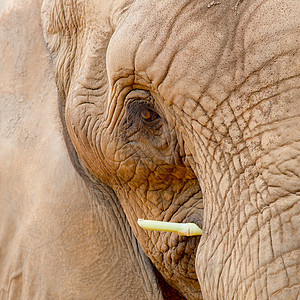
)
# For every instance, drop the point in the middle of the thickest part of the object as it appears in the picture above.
(73, 28)
(62, 21)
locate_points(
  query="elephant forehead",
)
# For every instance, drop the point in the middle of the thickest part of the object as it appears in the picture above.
(170, 43)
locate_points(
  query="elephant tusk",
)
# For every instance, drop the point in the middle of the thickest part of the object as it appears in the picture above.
(187, 229)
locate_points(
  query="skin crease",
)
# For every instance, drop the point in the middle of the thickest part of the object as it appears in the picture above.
(222, 85)
(247, 167)
(188, 112)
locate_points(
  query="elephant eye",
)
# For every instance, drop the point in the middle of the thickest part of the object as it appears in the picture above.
(148, 115)
(141, 112)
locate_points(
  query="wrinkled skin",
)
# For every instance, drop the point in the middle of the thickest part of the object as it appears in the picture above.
(189, 112)
(62, 235)
(142, 161)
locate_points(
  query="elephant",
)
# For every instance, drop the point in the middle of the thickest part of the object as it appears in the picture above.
(176, 111)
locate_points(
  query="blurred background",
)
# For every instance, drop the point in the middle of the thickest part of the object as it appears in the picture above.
(2, 2)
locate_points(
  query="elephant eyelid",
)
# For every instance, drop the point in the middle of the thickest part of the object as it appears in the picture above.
(141, 114)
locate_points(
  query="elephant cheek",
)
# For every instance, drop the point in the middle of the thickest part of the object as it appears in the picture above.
(82, 127)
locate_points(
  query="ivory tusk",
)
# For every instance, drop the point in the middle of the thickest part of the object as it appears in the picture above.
(187, 229)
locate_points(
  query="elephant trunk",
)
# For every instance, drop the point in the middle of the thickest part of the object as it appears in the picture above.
(251, 238)
(239, 122)
(248, 167)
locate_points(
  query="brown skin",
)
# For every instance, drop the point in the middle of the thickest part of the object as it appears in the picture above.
(229, 80)
(193, 91)
(162, 98)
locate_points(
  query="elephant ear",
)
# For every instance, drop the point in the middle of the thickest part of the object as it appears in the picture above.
(62, 24)
(78, 34)
(60, 237)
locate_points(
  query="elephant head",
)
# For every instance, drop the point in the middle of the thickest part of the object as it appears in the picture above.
(190, 113)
